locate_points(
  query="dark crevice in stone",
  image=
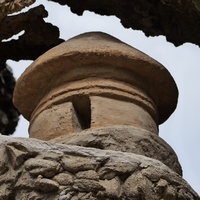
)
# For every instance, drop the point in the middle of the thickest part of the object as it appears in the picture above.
(82, 107)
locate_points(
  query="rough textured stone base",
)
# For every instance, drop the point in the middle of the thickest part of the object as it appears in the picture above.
(33, 169)
(126, 139)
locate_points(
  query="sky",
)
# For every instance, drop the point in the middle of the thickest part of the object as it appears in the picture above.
(181, 130)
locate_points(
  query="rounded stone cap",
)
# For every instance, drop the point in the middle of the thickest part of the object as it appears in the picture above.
(95, 49)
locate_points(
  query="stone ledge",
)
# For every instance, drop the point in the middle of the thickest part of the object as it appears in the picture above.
(33, 169)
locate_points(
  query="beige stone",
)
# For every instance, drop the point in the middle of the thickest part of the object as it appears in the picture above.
(54, 121)
(46, 185)
(113, 187)
(64, 178)
(110, 112)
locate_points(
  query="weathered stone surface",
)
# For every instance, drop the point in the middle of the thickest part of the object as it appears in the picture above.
(46, 168)
(111, 112)
(46, 185)
(133, 176)
(113, 187)
(126, 139)
(8, 113)
(89, 174)
(64, 178)
(75, 164)
(56, 121)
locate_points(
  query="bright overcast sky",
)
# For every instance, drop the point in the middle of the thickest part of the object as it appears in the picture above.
(181, 131)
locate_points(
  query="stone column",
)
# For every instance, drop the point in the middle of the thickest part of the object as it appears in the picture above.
(96, 91)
